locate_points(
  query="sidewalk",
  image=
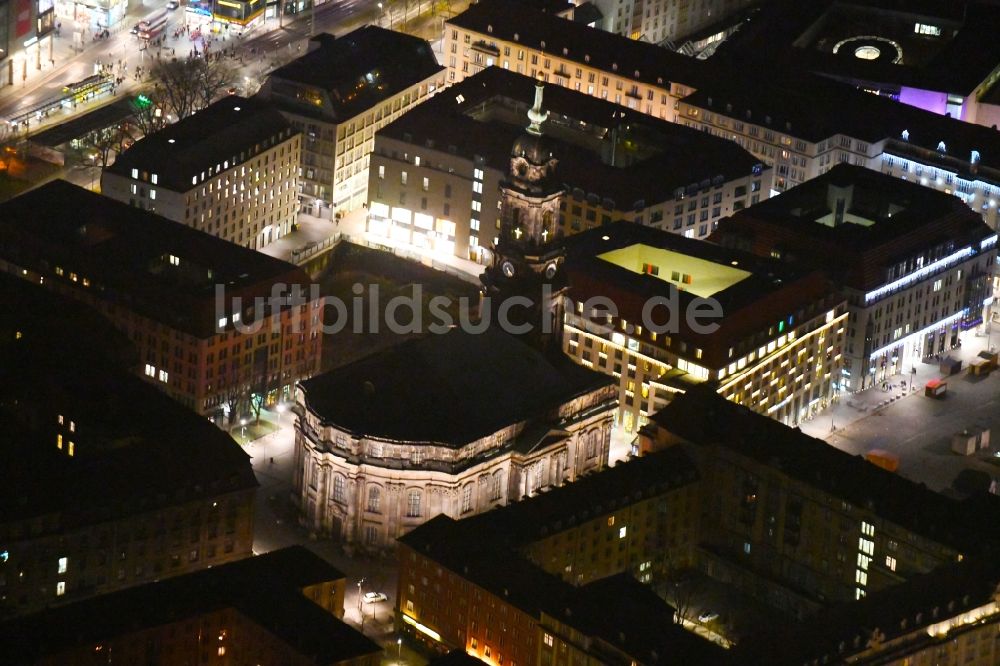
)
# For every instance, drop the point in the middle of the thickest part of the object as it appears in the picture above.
(853, 407)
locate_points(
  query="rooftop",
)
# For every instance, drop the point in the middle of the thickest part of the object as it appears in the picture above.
(753, 292)
(851, 217)
(266, 589)
(706, 419)
(941, 46)
(227, 132)
(448, 389)
(515, 21)
(815, 109)
(134, 447)
(125, 255)
(341, 77)
(605, 149)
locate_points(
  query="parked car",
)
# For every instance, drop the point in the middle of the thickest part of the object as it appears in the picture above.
(172, 5)
(708, 616)
(374, 597)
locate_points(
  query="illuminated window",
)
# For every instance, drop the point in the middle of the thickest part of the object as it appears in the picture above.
(72, 426)
(135, 173)
(222, 650)
(60, 588)
(623, 532)
(59, 442)
(164, 376)
(63, 563)
(150, 370)
(611, 521)
(547, 639)
(70, 449)
(890, 562)
(413, 504)
(155, 179)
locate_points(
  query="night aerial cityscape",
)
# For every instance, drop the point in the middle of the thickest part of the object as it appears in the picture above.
(504, 332)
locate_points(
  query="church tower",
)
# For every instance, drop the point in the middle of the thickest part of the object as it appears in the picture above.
(528, 256)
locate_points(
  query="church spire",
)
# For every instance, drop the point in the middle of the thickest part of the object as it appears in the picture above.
(536, 114)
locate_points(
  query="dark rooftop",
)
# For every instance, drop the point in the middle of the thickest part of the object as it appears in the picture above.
(135, 447)
(450, 389)
(816, 109)
(351, 73)
(704, 418)
(503, 19)
(266, 589)
(456, 658)
(81, 125)
(227, 132)
(124, 253)
(885, 219)
(619, 610)
(653, 157)
(805, 33)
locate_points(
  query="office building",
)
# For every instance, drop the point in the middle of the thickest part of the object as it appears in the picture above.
(914, 265)
(434, 181)
(230, 170)
(776, 340)
(803, 126)
(448, 424)
(279, 608)
(213, 323)
(515, 36)
(338, 95)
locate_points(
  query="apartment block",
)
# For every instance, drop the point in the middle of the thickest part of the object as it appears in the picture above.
(230, 170)
(434, 182)
(213, 323)
(637, 75)
(108, 483)
(338, 95)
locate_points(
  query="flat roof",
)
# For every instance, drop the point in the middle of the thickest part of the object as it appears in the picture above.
(597, 49)
(698, 276)
(352, 73)
(448, 389)
(486, 113)
(802, 35)
(124, 252)
(230, 131)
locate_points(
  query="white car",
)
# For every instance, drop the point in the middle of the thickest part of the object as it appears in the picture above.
(172, 5)
(374, 597)
(708, 616)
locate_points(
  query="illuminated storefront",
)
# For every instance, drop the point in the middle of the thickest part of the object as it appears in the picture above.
(245, 14)
(402, 226)
(87, 15)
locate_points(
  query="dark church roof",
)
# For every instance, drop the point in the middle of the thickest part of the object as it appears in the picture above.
(449, 389)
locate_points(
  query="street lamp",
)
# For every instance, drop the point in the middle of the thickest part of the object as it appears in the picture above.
(243, 428)
(399, 649)
(360, 580)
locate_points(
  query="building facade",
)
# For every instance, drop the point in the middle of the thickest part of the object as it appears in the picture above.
(640, 76)
(777, 347)
(659, 21)
(782, 124)
(230, 170)
(434, 185)
(914, 265)
(213, 323)
(108, 482)
(338, 95)
(373, 461)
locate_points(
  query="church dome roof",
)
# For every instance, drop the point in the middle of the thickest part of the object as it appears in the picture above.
(537, 149)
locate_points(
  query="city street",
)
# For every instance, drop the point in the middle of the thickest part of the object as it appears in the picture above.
(276, 526)
(272, 46)
(916, 428)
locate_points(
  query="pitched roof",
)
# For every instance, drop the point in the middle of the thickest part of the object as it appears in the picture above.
(450, 389)
(124, 253)
(598, 49)
(355, 72)
(266, 589)
(229, 131)
(665, 156)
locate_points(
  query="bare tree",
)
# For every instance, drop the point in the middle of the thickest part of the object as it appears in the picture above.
(189, 85)
(108, 141)
(146, 116)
